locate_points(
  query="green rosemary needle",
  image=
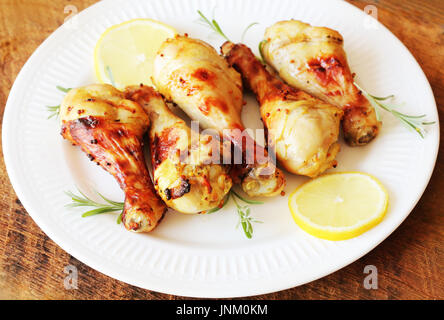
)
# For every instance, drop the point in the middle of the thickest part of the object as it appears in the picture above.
(248, 28)
(244, 212)
(84, 201)
(261, 44)
(412, 122)
(63, 89)
(245, 218)
(212, 24)
(54, 111)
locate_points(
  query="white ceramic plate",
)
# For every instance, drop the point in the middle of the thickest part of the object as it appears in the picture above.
(206, 256)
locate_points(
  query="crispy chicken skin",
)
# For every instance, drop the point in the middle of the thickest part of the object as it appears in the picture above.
(185, 175)
(313, 59)
(303, 130)
(192, 74)
(109, 129)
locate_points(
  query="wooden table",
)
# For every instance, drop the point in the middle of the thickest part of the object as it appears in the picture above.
(409, 262)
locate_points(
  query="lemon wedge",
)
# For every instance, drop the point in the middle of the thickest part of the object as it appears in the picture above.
(339, 206)
(125, 52)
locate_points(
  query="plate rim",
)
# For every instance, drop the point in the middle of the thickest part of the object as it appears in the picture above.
(109, 271)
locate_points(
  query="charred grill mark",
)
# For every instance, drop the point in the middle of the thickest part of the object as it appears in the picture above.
(179, 191)
(131, 151)
(211, 102)
(337, 39)
(205, 75)
(119, 106)
(88, 122)
(154, 152)
(167, 194)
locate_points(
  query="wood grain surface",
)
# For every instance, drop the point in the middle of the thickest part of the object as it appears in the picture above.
(410, 262)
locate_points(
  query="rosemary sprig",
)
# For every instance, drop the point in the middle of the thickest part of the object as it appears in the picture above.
(244, 212)
(216, 28)
(245, 218)
(84, 201)
(261, 44)
(248, 28)
(54, 111)
(412, 122)
(212, 24)
(63, 89)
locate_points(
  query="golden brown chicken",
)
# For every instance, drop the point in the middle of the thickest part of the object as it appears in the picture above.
(186, 170)
(192, 74)
(313, 59)
(109, 129)
(303, 130)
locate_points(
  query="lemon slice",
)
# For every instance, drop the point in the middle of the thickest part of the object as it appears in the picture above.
(339, 206)
(125, 52)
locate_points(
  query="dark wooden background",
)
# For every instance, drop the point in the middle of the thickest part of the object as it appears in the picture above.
(409, 262)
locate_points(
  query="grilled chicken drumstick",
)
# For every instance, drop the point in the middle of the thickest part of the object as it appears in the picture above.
(109, 129)
(192, 74)
(187, 174)
(303, 130)
(313, 59)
